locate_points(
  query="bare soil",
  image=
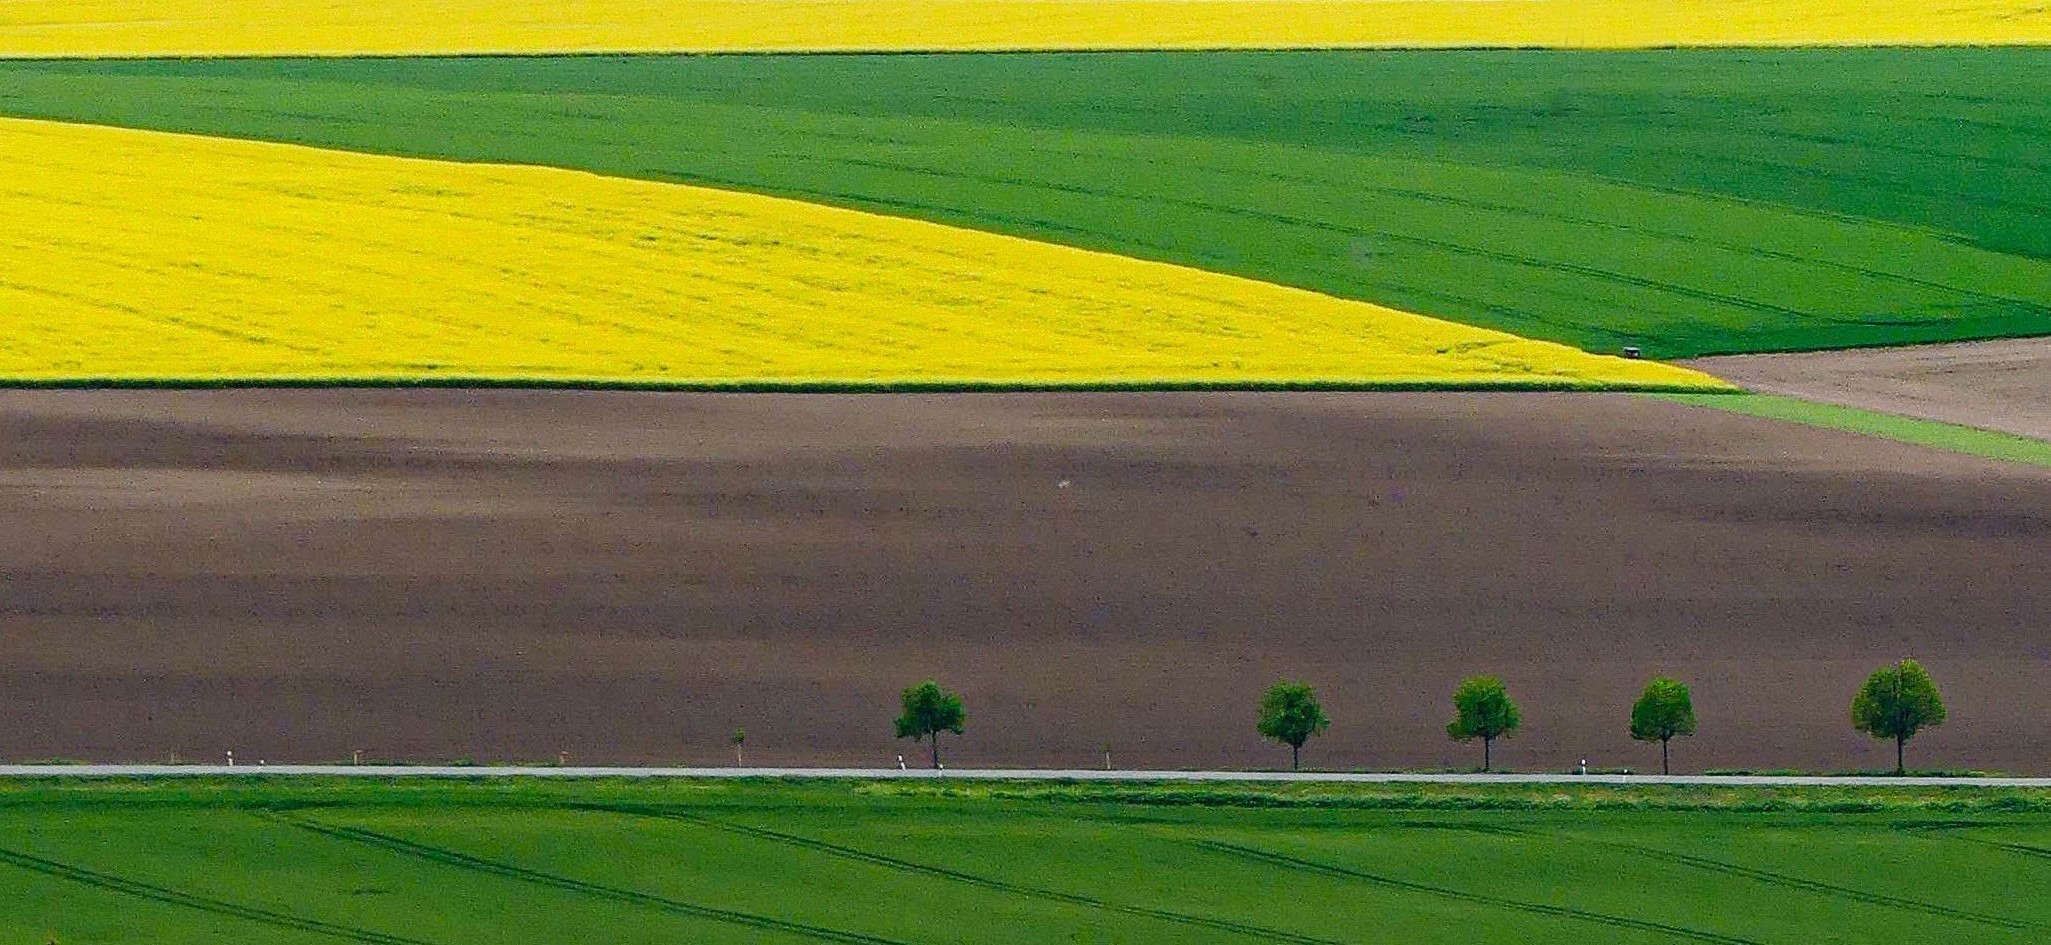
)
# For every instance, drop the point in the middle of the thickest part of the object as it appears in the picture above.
(631, 577)
(1994, 385)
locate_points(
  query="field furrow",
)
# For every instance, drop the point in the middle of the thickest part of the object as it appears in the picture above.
(1256, 932)
(126, 887)
(1284, 861)
(455, 859)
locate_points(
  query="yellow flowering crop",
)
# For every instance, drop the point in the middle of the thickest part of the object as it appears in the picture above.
(136, 255)
(259, 27)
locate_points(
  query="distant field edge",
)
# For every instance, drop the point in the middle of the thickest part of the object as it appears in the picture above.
(960, 50)
(121, 28)
(1706, 389)
(1937, 434)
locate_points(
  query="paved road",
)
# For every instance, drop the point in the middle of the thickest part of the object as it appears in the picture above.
(988, 774)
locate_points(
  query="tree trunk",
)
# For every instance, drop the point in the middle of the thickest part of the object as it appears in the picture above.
(1664, 768)
(936, 751)
(1295, 757)
(1898, 767)
(1486, 744)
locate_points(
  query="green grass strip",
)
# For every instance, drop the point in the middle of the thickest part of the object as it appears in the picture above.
(50, 794)
(1932, 433)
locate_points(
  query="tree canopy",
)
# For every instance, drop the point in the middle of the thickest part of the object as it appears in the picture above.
(1663, 711)
(928, 711)
(1290, 714)
(1482, 709)
(1897, 702)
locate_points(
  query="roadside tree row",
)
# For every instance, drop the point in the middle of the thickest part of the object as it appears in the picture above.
(1896, 702)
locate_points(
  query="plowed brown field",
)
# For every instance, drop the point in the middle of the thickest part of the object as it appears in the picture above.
(1995, 385)
(629, 577)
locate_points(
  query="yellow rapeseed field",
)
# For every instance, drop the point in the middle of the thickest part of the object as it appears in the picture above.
(258, 27)
(146, 256)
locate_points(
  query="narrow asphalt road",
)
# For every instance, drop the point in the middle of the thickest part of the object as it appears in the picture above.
(988, 774)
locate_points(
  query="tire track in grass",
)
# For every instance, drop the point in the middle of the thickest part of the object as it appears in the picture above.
(1433, 197)
(465, 861)
(925, 209)
(1448, 199)
(1457, 248)
(1493, 830)
(1785, 881)
(1534, 908)
(1330, 226)
(1952, 830)
(1557, 216)
(1854, 143)
(124, 886)
(971, 879)
(1798, 169)
(2022, 848)
(1594, 273)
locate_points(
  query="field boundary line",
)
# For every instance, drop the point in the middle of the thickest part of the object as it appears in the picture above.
(389, 772)
(1070, 49)
(883, 386)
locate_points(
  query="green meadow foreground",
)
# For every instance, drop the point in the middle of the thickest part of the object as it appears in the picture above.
(499, 861)
(1688, 202)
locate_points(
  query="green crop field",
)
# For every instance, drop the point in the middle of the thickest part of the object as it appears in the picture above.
(1690, 202)
(502, 861)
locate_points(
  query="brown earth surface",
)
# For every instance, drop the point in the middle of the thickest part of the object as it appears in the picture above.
(1994, 385)
(630, 577)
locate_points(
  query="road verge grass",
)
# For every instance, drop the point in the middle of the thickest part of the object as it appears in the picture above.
(485, 790)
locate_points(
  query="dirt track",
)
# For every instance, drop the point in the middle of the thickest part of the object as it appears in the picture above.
(1995, 385)
(630, 577)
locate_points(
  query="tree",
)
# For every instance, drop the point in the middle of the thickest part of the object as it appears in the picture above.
(1663, 711)
(1290, 714)
(1897, 702)
(928, 711)
(740, 739)
(1482, 709)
